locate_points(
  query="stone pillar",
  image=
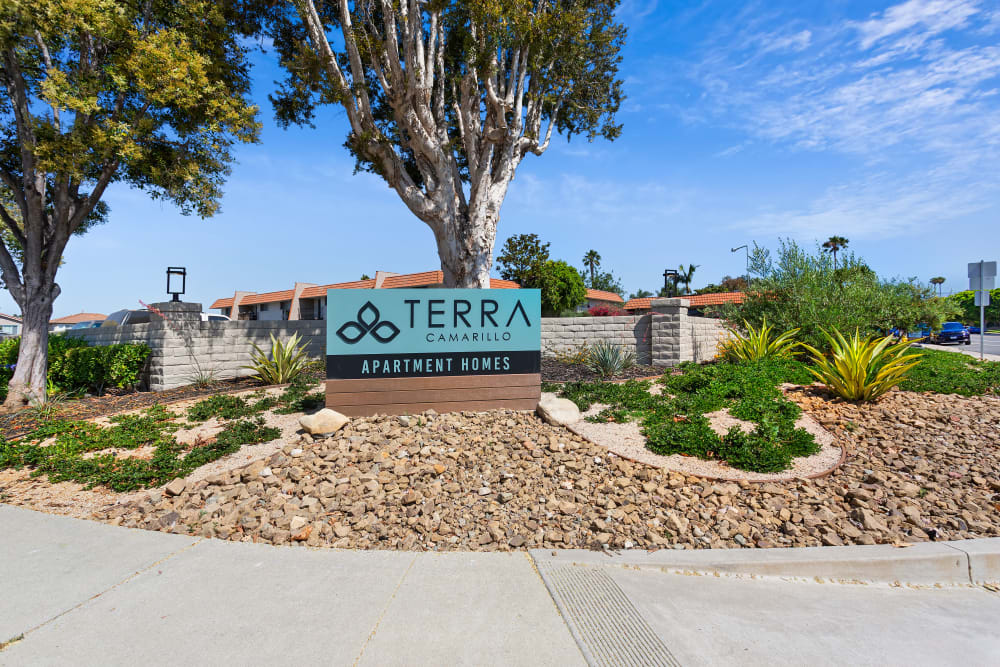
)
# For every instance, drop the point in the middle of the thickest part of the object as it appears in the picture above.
(176, 311)
(670, 344)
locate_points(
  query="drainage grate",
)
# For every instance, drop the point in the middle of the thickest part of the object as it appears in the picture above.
(604, 622)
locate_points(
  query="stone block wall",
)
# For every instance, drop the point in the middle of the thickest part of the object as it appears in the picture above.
(679, 337)
(568, 334)
(186, 348)
(183, 351)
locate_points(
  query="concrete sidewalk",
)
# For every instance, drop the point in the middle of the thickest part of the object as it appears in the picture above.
(84, 593)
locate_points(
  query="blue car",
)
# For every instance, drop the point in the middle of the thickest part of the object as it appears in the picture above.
(953, 332)
(973, 329)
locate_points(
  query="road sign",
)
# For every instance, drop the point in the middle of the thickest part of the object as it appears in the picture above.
(982, 269)
(982, 283)
(982, 276)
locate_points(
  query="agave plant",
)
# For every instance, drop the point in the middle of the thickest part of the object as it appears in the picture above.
(286, 362)
(759, 344)
(607, 359)
(860, 368)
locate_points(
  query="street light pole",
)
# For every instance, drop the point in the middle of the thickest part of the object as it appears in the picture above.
(747, 249)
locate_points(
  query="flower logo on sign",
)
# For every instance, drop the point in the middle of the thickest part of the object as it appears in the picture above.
(368, 322)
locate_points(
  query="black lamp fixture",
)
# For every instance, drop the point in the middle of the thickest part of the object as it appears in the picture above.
(670, 277)
(176, 277)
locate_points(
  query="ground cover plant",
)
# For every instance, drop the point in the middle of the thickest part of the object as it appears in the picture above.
(79, 449)
(675, 422)
(945, 372)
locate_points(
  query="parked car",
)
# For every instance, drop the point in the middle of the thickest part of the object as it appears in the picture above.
(953, 332)
(123, 317)
(87, 324)
(212, 317)
(973, 328)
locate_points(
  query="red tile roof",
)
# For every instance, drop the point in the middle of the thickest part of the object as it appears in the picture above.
(10, 317)
(695, 300)
(601, 295)
(79, 317)
(267, 297)
(423, 279)
(320, 290)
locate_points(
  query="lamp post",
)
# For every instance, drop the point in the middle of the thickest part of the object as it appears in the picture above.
(747, 249)
(668, 276)
(176, 277)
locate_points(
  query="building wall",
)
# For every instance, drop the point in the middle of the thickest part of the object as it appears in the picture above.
(184, 350)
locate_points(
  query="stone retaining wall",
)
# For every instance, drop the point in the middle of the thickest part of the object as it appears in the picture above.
(186, 348)
(182, 353)
(568, 334)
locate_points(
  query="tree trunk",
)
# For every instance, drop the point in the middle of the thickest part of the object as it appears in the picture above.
(28, 384)
(465, 247)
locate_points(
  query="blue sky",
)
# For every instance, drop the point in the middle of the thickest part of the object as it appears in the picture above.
(744, 122)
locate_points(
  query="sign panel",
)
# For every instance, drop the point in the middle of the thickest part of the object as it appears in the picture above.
(982, 283)
(982, 299)
(987, 269)
(420, 333)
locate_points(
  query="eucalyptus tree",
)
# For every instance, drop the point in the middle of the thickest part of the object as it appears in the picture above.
(445, 98)
(152, 94)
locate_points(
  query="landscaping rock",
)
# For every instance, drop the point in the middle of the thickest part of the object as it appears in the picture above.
(324, 421)
(558, 411)
(502, 480)
(175, 488)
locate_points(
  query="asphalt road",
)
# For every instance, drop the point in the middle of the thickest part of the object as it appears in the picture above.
(991, 345)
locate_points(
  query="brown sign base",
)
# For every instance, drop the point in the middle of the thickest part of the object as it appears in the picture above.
(455, 393)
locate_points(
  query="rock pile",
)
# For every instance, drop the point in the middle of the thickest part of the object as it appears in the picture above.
(921, 468)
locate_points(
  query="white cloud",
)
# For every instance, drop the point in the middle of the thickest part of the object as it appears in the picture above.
(930, 16)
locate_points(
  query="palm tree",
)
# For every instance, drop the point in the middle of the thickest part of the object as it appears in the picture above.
(592, 260)
(834, 244)
(938, 281)
(686, 276)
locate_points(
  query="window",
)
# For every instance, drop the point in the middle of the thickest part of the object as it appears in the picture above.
(263, 307)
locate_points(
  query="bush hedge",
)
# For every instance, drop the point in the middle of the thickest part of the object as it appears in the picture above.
(76, 366)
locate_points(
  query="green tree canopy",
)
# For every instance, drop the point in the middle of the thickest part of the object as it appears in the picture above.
(607, 281)
(445, 98)
(153, 94)
(519, 254)
(561, 286)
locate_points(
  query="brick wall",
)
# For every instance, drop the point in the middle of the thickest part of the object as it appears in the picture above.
(679, 337)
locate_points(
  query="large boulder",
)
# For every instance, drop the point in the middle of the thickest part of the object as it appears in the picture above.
(558, 411)
(324, 421)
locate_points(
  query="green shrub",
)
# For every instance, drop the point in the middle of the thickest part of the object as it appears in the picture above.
(860, 368)
(803, 289)
(287, 361)
(74, 365)
(759, 343)
(607, 359)
(96, 368)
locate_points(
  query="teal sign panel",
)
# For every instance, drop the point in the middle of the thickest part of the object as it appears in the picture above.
(430, 332)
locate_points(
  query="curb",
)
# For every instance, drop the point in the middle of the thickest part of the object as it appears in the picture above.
(958, 563)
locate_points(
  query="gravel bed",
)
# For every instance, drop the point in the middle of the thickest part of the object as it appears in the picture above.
(557, 371)
(920, 467)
